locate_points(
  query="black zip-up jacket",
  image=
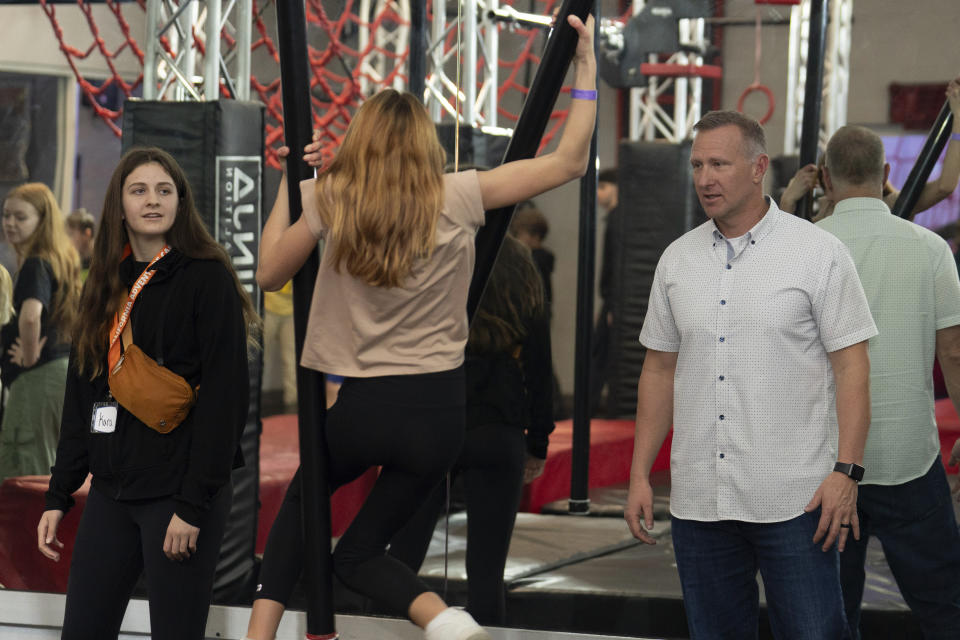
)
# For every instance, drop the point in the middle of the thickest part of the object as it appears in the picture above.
(204, 340)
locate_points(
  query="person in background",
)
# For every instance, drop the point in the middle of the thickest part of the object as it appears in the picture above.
(6, 296)
(911, 284)
(36, 343)
(530, 227)
(81, 228)
(6, 305)
(933, 192)
(161, 493)
(608, 198)
(278, 340)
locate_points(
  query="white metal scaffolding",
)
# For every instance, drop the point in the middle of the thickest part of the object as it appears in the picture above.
(649, 120)
(381, 44)
(478, 63)
(183, 57)
(836, 72)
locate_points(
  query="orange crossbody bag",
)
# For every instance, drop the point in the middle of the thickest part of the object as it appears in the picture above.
(158, 397)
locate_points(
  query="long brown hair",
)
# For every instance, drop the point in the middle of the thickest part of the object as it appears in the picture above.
(381, 196)
(104, 290)
(514, 295)
(50, 242)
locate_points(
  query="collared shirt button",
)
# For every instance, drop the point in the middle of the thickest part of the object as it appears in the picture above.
(721, 416)
(721, 455)
(729, 267)
(723, 302)
(753, 242)
(722, 338)
(721, 378)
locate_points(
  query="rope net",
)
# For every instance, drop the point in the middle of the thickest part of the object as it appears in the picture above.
(352, 55)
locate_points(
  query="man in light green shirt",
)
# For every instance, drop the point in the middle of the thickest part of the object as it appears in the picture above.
(910, 279)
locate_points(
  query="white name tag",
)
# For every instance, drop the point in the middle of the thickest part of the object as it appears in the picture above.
(104, 417)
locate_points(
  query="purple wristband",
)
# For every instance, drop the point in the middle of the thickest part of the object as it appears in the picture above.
(955, 136)
(583, 94)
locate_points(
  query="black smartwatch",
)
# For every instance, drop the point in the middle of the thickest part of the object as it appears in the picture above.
(851, 469)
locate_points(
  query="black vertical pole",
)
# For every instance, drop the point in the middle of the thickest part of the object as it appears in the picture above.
(317, 571)
(527, 134)
(586, 269)
(932, 148)
(813, 95)
(417, 58)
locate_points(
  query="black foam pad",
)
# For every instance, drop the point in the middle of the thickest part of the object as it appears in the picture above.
(656, 205)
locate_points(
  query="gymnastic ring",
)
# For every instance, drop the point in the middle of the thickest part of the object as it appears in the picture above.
(766, 91)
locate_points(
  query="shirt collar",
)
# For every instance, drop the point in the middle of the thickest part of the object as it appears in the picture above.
(860, 205)
(759, 230)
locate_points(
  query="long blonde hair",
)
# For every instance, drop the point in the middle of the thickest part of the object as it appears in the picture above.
(50, 242)
(6, 296)
(381, 196)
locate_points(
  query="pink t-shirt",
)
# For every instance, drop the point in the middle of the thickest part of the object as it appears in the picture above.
(357, 330)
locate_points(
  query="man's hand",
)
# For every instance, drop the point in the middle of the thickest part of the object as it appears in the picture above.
(954, 459)
(837, 498)
(639, 510)
(47, 534)
(181, 539)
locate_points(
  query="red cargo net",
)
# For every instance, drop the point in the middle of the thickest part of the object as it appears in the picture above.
(337, 70)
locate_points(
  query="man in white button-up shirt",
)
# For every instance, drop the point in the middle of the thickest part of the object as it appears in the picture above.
(756, 335)
(910, 279)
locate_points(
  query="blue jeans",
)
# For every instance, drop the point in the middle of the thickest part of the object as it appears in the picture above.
(916, 525)
(718, 564)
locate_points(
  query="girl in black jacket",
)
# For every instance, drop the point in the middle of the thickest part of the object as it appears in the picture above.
(158, 501)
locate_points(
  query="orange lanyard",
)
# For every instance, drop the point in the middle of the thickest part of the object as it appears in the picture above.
(120, 320)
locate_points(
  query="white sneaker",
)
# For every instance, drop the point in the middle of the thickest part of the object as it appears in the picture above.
(454, 624)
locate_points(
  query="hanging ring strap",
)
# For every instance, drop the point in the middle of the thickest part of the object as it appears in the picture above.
(757, 85)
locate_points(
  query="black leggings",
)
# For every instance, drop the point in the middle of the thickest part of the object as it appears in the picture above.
(491, 464)
(115, 542)
(412, 426)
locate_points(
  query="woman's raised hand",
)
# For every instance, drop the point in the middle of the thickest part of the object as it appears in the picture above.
(585, 41)
(311, 152)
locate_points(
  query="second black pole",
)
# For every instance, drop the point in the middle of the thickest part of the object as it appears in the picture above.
(311, 402)
(813, 95)
(932, 148)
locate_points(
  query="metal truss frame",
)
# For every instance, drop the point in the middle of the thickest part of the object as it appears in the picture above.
(380, 58)
(836, 77)
(479, 63)
(648, 120)
(183, 58)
